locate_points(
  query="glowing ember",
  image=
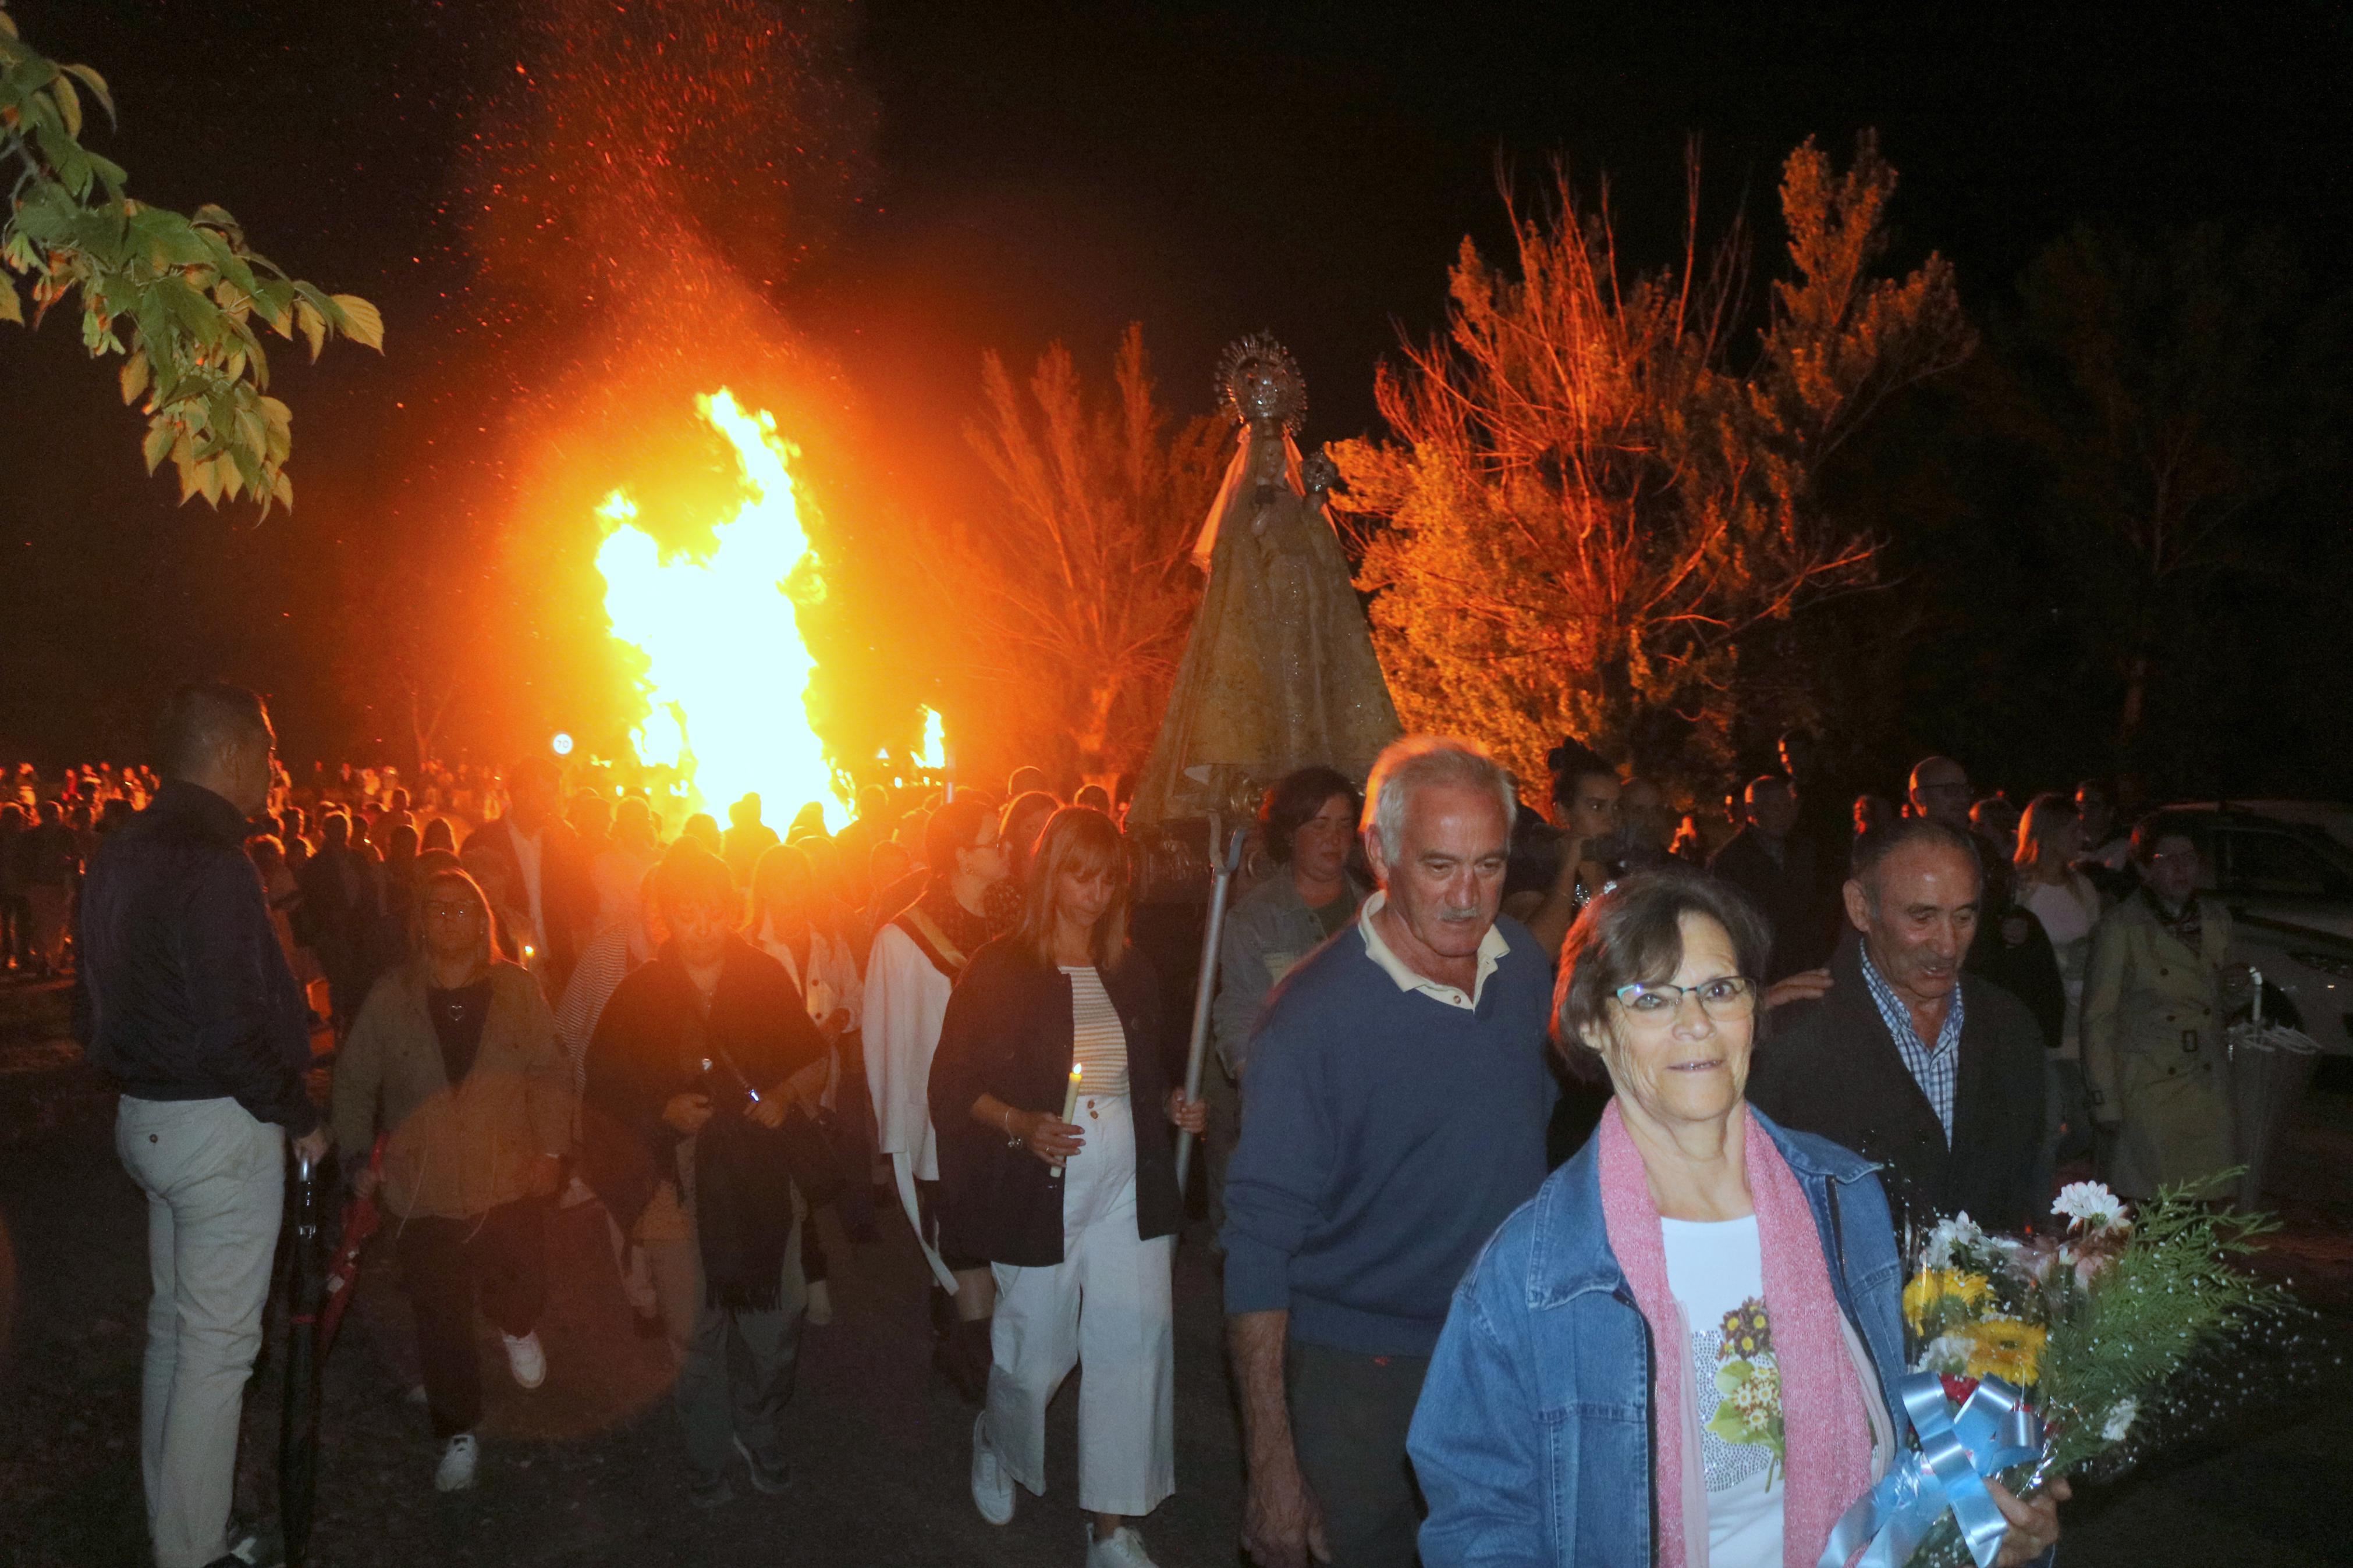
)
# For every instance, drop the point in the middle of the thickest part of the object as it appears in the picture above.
(726, 673)
(934, 753)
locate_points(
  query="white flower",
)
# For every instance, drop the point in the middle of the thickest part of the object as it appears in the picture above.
(1944, 1353)
(2089, 1204)
(1959, 1231)
(2120, 1419)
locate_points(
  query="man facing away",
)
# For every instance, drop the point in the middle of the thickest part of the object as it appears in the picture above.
(1770, 863)
(1394, 1110)
(193, 1010)
(1908, 1060)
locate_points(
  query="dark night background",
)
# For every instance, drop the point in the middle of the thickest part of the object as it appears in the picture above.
(1001, 175)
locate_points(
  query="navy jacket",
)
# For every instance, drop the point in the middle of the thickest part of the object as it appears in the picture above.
(1011, 1031)
(188, 991)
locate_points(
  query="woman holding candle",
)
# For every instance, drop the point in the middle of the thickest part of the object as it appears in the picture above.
(1078, 1213)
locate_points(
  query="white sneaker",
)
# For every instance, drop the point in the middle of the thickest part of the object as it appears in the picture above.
(456, 1472)
(526, 1359)
(992, 1487)
(1124, 1550)
(820, 1304)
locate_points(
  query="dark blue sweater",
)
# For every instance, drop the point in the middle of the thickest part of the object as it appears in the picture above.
(1385, 1135)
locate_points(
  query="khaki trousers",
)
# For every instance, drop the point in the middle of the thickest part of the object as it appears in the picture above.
(215, 1185)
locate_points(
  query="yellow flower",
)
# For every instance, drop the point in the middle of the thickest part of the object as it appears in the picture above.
(1931, 1288)
(2003, 1348)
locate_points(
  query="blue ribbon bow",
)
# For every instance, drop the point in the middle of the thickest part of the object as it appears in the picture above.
(1994, 1431)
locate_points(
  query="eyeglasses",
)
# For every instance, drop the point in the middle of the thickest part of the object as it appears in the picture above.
(1727, 996)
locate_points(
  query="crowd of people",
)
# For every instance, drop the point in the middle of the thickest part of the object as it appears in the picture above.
(1516, 1117)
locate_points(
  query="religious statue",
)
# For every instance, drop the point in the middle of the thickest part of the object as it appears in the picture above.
(1280, 672)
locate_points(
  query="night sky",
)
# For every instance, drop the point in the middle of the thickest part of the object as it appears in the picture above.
(923, 181)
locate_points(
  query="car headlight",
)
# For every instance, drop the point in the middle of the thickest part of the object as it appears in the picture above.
(2340, 967)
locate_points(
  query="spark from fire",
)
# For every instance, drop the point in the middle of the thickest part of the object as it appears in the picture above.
(727, 675)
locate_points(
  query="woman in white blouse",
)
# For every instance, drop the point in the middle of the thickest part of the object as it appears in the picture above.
(2049, 840)
(1056, 1092)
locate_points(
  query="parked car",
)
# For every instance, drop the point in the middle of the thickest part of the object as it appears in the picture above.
(2287, 880)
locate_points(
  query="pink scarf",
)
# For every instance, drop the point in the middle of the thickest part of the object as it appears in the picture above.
(1826, 1430)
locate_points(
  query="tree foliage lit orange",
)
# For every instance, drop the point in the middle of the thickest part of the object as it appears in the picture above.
(1593, 497)
(1073, 578)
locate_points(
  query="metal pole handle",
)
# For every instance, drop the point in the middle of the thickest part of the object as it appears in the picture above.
(1204, 986)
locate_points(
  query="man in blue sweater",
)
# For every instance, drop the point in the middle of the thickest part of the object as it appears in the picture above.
(1397, 1095)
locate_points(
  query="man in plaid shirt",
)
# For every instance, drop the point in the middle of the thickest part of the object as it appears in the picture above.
(1905, 1061)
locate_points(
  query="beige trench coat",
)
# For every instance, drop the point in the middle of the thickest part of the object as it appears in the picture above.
(2154, 1055)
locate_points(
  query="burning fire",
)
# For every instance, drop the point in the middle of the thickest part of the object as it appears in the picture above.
(934, 754)
(727, 675)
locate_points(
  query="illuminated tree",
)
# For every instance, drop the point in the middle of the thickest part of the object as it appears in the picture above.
(1590, 505)
(186, 291)
(1075, 579)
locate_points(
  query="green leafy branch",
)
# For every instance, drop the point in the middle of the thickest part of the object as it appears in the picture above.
(184, 290)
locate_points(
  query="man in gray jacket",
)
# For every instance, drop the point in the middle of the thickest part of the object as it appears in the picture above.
(1307, 823)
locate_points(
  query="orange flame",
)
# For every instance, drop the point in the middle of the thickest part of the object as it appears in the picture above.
(727, 675)
(934, 753)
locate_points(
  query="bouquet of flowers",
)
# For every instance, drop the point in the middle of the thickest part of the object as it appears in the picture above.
(2035, 1358)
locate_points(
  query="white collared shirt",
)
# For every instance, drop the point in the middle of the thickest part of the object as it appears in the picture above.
(1492, 948)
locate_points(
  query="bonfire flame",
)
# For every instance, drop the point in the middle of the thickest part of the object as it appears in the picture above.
(727, 675)
(934, 754)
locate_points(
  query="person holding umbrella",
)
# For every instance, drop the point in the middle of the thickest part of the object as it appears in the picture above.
(455, 1056)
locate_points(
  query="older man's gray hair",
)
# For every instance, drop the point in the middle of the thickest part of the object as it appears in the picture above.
(1417, 761)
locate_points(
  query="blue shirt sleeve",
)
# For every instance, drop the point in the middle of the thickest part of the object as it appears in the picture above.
(1280, 1169)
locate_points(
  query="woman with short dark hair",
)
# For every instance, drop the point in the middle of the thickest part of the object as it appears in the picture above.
(1077, 1218)
(1307, 826)
(1684, 1348)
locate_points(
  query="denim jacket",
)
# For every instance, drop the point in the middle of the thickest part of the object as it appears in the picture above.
(1532, 1441)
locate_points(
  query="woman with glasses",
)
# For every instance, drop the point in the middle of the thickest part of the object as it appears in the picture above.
(455, 1058)
(2154, 995)
(1711, 1300)
(1056, 1093)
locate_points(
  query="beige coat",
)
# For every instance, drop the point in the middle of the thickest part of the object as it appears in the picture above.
(2153, 1048)
(455, 1152)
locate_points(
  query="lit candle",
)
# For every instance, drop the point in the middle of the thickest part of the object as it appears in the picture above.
(1071, 1099)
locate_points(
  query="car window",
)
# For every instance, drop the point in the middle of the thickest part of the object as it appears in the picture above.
(2279, 864)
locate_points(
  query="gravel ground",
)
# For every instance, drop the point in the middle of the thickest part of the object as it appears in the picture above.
(586, 1470)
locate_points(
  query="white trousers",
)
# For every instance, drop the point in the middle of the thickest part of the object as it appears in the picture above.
(215, 1185)
(1107, 1305)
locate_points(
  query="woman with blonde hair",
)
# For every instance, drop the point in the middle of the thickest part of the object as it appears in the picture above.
(1055, 1089)
(455, 1058)
(2047, 885)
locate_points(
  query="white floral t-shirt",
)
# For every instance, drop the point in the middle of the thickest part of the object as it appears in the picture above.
(1717, 1270)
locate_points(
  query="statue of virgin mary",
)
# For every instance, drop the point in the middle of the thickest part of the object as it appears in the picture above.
(1279, 671)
